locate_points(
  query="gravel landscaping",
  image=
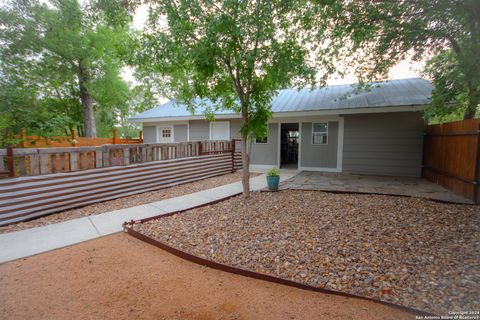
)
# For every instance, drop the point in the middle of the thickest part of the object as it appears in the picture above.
(410, 251)
(126, 202)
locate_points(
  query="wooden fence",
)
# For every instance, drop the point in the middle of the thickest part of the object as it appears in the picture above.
(451, 156)
(140, 168)
(66, 141)
(18, 162)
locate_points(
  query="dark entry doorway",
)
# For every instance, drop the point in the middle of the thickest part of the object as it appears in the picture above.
(289, 135)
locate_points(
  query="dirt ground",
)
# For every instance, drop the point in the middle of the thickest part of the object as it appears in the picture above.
(120, 277)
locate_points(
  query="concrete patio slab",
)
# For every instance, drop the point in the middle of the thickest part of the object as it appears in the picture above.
(344, 182)
(28, 242)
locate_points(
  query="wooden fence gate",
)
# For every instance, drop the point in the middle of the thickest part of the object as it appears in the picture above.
(451, 156)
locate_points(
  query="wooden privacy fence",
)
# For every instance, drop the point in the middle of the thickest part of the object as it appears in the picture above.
(451, 156)
(27, 141)
(17, 162)
(28, 197)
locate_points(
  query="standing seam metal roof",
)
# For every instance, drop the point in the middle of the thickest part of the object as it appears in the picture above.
(402, 92)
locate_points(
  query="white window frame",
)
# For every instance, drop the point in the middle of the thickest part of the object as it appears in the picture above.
(218, 122)
(313, 134)
(165, 126)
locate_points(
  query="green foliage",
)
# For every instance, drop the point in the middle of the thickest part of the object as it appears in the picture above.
(237, 54)
(274, 172)
(449, 98)
(49, 50)
(388, 31)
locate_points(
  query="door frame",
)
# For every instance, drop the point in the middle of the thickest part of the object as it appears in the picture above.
(279, 149)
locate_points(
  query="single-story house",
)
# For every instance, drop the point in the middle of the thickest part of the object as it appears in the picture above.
(327, 129)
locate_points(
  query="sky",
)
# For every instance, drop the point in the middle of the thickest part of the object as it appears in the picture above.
(404, 69)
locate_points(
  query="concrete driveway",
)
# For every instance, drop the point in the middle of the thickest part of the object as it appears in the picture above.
(344, 182)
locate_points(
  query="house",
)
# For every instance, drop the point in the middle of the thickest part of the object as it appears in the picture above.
(374, 132)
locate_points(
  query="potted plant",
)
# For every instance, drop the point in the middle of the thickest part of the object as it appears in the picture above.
(273, 178)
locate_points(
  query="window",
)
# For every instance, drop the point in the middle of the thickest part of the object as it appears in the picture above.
(261, 140)
(320, 133)
(166, 133)
(220, 130)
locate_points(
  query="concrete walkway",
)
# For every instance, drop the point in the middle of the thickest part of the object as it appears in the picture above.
(28, 242)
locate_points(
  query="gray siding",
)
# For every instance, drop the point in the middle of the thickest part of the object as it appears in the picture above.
(384, 144)
(199, 130)
(180, 133)
(315, 155)
(149, 134)
(266, 154)
(235, 126)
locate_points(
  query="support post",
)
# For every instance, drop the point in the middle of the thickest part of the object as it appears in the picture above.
(140, 136)
(200, 148)
(232, 146)
(10, 163)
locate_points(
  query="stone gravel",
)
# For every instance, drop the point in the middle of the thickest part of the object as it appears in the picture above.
(413, 252)
(127, 202)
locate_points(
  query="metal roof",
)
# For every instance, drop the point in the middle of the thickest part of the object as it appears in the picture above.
(392, 93)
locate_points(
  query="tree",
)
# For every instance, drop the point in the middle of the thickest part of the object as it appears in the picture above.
(235, 53)
(447, 30)
(64, 53)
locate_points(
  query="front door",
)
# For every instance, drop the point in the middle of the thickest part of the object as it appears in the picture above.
(165, 134)
(289, 136)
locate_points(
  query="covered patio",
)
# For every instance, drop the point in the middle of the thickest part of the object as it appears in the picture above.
(345, 182)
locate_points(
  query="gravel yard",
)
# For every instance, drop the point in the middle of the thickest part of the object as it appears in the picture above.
(413, 252)
(126, 202)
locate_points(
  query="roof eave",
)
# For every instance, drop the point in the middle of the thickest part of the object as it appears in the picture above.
(389, 109)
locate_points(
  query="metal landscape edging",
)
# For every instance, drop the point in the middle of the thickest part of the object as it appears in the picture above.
(128, 228)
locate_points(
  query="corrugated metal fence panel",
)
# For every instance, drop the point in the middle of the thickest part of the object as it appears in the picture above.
(451, 156)
(29, 197)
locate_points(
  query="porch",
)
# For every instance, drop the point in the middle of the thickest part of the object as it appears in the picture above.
(355, 183)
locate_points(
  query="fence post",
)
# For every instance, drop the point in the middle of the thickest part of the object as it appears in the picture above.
(98, 157)
(73, 161)
(74, 137)
(115, 136)
(200, 148)
(126, 156)
(232, 146)
(106, 156)
(10, 163)
(477, 168)
(140, 136)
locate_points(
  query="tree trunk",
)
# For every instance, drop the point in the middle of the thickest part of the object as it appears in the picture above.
(87, 103)
(472, 103)
(245, 166)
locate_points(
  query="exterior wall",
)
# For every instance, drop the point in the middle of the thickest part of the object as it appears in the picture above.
(199, 130)
(318, 156)
(235, 126)
(266, 154)
(383, 144)
(149, 134)
(180, 133)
